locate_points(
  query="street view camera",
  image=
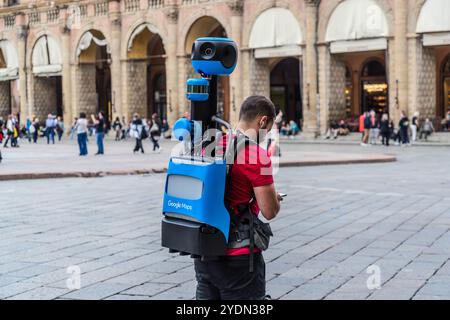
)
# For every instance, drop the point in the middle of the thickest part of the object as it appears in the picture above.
(195, 220)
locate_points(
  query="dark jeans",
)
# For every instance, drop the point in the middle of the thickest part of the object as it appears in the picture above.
(229, 278)
(138, 146)
(155, 141)
(50, 133)
(8, 137)
(404, 135)
(385, 136)
(82, 143)
(100, 147)
(35, 136)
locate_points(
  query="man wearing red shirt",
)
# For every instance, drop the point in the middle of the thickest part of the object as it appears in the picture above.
(250, 183)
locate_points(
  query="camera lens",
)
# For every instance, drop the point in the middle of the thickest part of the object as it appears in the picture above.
(229, 56)
(207, 50)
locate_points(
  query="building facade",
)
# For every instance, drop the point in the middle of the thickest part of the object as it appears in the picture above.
(317, 60)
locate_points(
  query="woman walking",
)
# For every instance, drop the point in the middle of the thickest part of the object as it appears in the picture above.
(82, 131)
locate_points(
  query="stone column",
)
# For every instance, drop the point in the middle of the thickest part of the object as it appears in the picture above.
(236, 79)
(324, 85)
(183, 104)
(22, 35)
(66, 71)
(310, 110)
(401, 58)
(116, 72)
(171, 64)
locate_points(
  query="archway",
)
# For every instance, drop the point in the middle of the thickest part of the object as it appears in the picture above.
(285, 88)
(209, 27)
(94, 80)
(147, 72)
(47, 80)
(357, 32)
(9, 97)
(276, 40)
(374, 87)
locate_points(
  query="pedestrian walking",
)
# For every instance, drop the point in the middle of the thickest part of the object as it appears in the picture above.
(50, 129)
(403, 127)
(60, 128)
(367, 126)
(155, 132)
(374, 128)
(138, 132)
(117, 127)
(9, 131)
(385, 129)
(35, 127)
(82, 132)
(27, 131)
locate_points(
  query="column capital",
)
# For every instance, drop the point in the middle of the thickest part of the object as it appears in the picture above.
(114, 12)
(236, 7)
(312, 3)
(171, 13)
(115, 19)
(22, 32)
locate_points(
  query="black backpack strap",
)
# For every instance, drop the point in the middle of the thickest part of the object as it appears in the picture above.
(252, 242)
(244, 237)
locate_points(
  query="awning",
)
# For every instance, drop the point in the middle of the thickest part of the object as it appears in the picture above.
(277, 29)
(278, 52)
(46, 59)
(86, 41)
(357, 19)
(434, 17)
(9, 54)
(436, 39)
(363, 45)
(138, 30)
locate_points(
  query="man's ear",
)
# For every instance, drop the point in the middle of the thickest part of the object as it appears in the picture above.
(263, 122)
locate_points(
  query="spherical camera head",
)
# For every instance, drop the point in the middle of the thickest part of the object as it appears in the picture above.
(214, 56)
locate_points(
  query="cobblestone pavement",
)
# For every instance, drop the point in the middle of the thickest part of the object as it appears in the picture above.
(335, 223)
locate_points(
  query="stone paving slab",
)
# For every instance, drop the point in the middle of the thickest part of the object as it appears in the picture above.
(337, 225)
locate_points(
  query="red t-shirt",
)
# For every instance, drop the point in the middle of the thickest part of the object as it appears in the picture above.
(252, 168)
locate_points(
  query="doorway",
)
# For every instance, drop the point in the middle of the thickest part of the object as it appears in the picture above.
(374, 87)
(285, 88)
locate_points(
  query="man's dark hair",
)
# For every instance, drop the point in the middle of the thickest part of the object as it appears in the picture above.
(82, 115)
(255, 106)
